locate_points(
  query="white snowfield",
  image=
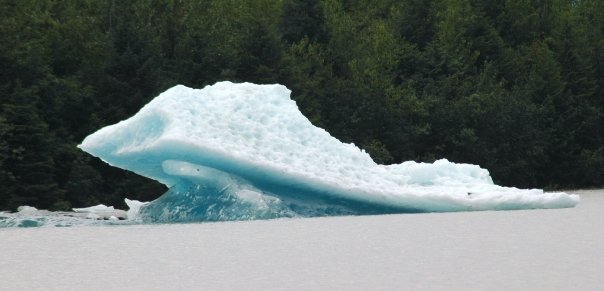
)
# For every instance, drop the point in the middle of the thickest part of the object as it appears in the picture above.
(252, 140)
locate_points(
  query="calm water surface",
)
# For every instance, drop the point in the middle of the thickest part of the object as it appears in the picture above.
(560, 249)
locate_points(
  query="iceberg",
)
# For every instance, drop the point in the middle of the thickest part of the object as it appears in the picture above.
(244, 151)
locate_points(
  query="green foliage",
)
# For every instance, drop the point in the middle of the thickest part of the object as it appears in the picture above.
(515, 86)
(302, 19)
(6, 177)
(30, 159)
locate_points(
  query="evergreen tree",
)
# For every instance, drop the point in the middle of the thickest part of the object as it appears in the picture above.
(513, 85)
(85, 184)
(31, 155)
(7, 183)
(302, 18)
(413, 21)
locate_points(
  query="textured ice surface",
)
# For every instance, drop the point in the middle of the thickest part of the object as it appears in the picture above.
(244, 151)
(28, 216)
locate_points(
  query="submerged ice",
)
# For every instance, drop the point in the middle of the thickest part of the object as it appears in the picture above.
(244, 151)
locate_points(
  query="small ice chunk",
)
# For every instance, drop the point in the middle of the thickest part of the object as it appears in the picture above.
(133, 208)
(93, 216)
(101, 208)
(26, 209)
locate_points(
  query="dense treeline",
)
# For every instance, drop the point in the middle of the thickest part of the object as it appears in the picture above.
(516, 86)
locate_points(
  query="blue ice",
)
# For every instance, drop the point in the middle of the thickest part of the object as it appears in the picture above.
(244, 151)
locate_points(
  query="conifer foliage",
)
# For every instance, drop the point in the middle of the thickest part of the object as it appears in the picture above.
(512, 85)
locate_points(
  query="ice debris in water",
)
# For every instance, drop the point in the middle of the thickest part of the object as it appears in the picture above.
(133, 208)
(101, 212)
(244, 151)
(27, 216)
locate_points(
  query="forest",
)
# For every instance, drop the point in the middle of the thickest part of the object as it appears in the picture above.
(516, 86)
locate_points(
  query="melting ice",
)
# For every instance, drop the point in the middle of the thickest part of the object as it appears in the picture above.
(27, 216)
(244, 151)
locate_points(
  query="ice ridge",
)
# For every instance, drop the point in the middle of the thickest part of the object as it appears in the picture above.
(244, 151)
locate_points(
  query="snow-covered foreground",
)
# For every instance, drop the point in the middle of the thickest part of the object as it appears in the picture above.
(558, 249)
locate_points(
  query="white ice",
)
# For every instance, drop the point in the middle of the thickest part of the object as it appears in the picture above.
(27, 216)
(255, 135)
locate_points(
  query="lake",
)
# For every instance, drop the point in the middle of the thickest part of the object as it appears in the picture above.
(559, 249)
